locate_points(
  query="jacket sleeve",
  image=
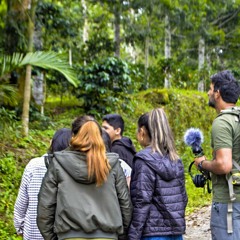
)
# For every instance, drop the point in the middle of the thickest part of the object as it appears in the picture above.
(184, 193)
(21, 204)
(142, 189)
(47, 199)
(124, 199)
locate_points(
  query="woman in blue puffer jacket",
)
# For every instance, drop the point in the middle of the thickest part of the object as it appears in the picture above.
(157, 183)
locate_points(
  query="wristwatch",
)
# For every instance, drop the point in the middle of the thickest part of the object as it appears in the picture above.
(200, 167)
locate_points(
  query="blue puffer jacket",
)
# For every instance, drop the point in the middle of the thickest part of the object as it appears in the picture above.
(158, 195)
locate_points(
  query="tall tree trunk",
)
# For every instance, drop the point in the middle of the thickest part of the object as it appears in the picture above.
(70, 56)
(167, 50)
(117, 39)
(201, 62)
(201, 53)
(27, 87)
(147, 44)
(85, 25)
(26, 100)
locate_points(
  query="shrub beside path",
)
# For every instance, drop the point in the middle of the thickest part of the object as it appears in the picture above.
(198, 224)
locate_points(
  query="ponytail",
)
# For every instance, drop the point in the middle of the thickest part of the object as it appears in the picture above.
(162, 140)
(89, 140)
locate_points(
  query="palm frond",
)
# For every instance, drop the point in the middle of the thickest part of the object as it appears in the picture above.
(9, 63)
(46, 60)
(8, 95)
(51, 60)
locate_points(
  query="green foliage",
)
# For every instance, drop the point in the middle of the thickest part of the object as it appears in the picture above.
(9, 184)
(62, 19)
(8, 94)
(36, 119)
(8, 123)
(103, 85)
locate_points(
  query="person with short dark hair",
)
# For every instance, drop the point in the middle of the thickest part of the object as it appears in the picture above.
(114, 125)
(126, 168)
(157, 183)
(25, 208)
(225, 136)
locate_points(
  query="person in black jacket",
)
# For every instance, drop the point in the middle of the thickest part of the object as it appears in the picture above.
(157, 183)
(114, 126)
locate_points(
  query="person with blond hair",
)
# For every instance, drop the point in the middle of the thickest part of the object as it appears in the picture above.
(84, 194)
(157, 183)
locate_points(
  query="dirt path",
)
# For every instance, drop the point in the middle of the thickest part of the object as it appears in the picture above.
(198, 225)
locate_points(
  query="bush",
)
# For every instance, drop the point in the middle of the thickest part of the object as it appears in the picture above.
(104, 85)
(9, 183)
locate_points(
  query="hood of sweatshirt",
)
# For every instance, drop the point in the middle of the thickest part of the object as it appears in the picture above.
(162, 165)
(126, 142)
(74, 163)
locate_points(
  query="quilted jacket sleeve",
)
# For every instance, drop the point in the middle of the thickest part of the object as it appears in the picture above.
(142, 188)
(124, 199)
(47, 199)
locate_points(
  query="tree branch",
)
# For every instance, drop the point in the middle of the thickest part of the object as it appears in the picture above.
(229, 19)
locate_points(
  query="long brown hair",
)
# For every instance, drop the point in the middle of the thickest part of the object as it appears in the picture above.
(89, 140)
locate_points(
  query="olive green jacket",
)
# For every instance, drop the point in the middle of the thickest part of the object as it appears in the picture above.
(71, 205)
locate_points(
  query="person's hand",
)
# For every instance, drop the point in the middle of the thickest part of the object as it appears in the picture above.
(198, 160)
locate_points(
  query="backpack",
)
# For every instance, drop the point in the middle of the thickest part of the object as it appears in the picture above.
(47, 159)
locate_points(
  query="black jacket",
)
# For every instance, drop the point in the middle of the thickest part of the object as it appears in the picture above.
(125, 148)
(158, 195)
(70, 205)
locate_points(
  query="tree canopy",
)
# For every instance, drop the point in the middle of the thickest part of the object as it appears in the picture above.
(177, 43)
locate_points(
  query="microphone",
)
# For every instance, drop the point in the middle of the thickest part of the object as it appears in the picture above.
(194, 138)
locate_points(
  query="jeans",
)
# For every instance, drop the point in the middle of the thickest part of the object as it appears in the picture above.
(218, 221)
(171, 237)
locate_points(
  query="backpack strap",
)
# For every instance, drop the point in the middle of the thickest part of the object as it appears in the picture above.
(229, 218)
(229, 177)
(47, 159)
(236, 165)
(232, 195)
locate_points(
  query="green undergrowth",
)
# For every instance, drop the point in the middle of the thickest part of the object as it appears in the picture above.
(184, 109)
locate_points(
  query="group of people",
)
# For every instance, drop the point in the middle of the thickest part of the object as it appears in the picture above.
(92, 184)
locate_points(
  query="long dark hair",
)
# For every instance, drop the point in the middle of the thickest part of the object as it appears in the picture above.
(60, 140)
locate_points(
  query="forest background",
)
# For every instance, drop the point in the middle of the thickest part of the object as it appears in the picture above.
(61, 59)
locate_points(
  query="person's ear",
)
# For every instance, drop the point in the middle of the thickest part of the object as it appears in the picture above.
(142, 132)
(217, 94)
(118, 131)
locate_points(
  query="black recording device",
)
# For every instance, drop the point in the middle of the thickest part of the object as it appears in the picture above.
(194, 138)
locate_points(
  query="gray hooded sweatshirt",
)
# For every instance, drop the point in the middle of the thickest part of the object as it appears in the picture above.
(71, 205)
